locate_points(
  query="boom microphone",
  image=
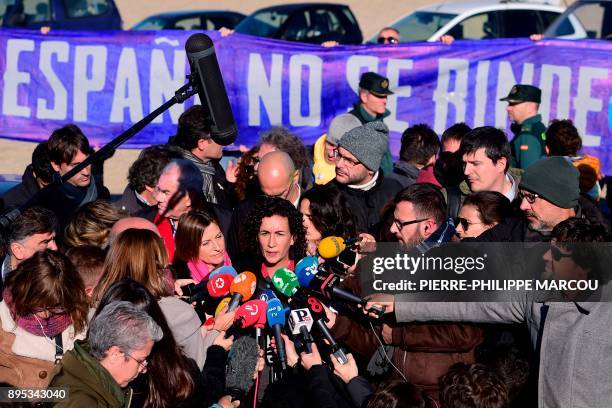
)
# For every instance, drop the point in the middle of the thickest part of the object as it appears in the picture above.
(207, 79)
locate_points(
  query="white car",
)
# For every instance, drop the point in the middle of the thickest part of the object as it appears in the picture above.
(475, 20)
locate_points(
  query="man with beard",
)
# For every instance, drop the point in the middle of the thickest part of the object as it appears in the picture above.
(549, 193)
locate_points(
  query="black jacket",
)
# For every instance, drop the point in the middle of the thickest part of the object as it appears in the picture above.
(367, 205)
(130, 203)
(22, 192)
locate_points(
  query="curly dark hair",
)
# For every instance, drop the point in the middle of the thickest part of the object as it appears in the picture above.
(562, 138)
(246, 181)
(329, 211)
(268, 207)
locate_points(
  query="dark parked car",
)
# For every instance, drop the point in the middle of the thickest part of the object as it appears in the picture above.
(191, 20)
(310, 23)
(61, 14)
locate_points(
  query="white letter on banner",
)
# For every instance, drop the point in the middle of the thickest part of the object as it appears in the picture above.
(315, 68)
(163, 84)
(583, 103)
(127, 88)
(394, 66)
(59, 96)
(443, 97)
(353, 69)
(12, 78)
(97, 55)
(482, 87)
(268, 91)
(563, 96)
(505, 81)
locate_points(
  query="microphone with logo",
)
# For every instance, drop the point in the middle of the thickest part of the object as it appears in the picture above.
(249, 314)
(286, 282)
(206, 78)
(242, 288)
(300, 323)
(331, 247)
(276, 315)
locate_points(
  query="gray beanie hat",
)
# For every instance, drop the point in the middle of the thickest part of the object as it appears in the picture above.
(340, 125)
(554, 179)
(368, 143)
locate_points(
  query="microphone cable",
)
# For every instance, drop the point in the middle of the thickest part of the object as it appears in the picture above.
(382, 346)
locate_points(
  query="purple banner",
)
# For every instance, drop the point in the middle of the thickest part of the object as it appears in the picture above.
(106, 81)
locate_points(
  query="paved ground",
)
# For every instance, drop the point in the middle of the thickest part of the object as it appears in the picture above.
(371, 15)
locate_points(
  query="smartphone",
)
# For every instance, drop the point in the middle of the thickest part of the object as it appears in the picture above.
(347, 258)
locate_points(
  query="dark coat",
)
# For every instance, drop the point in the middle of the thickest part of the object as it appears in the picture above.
(404, 173)
(22, 192)
(130, 203)
(367, 205)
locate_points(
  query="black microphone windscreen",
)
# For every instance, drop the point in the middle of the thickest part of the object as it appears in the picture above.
(241, 367)
(206, 75)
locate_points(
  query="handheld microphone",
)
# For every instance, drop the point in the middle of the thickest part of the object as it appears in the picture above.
(240, 368)
(285, 281)
(207, 79)
(331, 247)
(242, 288)
(219, 286)
(306, 269)
(224, 302)
(267, 294)
(300, 322)
(251, 313)
(328, 285)
(276, 315)
(223, 270)
(316, 308)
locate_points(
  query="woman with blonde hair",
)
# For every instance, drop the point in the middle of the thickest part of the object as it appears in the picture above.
(141, 255)
(43, 312)
(91, 224)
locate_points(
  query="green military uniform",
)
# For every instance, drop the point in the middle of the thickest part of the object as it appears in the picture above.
(528, 143)
(378, 86)
(529, 136)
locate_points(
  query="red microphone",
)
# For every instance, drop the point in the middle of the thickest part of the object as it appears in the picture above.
(249, 314)
(219, 286)
(242, 288)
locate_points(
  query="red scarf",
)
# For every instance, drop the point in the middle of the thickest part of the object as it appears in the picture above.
(35, 325)
(167, 234)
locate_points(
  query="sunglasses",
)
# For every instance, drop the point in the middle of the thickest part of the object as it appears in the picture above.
(387, 40)
(557, 254)
(465, 224)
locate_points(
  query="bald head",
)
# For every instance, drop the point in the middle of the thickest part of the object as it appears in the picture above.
(276, 174)
(130, 223)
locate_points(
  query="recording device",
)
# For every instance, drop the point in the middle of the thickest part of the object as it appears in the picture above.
(285, 281)
(331, 247)
(240, 368)
(276, 316)
(249, 314)
(316, 309)
(300, 323)
(266, 295)
(223, 270)
(206, 78)
(224, 302)
(241, 289)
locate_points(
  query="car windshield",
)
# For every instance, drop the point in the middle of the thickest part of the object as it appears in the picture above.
(421, 25)
(264, 23)
(151, 23)
(594, 17)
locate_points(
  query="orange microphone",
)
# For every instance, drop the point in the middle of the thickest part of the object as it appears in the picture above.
(242, 288)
